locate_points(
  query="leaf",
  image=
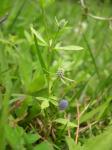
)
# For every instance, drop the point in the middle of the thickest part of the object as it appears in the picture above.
(69, 47)
(71, 144)
(28, 37)
(31, 138)
(51, 99)
(55, 103)
(98, 110)
(41, 60)
(33, 111)
(38, 36)
(25, 67)
(100, 142)
(66, 122)
(7, 83)
(44, 146)
(44, 104)
(14, 136)
(37, 83)
(45, 3)
(42, 98)
(22, 110)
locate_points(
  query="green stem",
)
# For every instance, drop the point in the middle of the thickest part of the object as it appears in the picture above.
(92, 57)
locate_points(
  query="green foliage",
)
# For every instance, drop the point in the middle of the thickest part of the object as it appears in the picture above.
(14, 137)
(45, 3)
(102, 141)
(43, 145)
(71, 144)
(66, 122)
(52, 50)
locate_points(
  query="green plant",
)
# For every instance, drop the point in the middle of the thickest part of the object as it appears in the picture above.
(39, 67)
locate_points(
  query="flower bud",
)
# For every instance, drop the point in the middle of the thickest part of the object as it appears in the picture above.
(60, 73)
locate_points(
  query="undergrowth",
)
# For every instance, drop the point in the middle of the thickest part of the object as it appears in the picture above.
(55, 76)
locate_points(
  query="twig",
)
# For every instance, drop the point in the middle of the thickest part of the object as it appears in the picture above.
(100, 18)
(68, 118)
(84, 110)
(78, 124)
(69, 132)
(86, 127)
(83, 5)
(4, 18)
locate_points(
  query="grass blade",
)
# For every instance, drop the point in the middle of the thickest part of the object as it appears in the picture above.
(39, 55)
(92, 56)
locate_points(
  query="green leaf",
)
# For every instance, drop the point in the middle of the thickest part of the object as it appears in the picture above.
(45, 104)
(33, 111)
(31, 138)
(25, 67)
(45, 3)
(28, 37)
(104, 107)
(54, 100)
(38, 36)
(41, 60)
(44, 146)
(22, 110)
(100, 142)
(98, 110)
(42, 98)
(69, 47)
(66, 122)
(14, 137)
(72, 145)
(37, 83)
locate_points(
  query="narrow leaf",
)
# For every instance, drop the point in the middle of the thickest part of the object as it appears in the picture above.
(70, 47)
(38, 36)
(39, 55)
(65, 121)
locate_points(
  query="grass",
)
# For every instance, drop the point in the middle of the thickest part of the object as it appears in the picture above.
(51, 51)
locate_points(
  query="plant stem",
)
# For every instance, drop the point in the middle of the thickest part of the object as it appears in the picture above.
(78, 124)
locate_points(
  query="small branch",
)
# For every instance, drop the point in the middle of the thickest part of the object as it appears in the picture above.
(83, 5)
(84, 110)
(100, 18)
(69, 131)
(4, 18)
(78, 124)
(68, 118)
(86, 127)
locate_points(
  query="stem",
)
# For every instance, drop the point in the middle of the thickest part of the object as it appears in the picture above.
(48, 54)
(83, 5)
(92, 57)
(78, 124)
(50, 47)
(17, 15)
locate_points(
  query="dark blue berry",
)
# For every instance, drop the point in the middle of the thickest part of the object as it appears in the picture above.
(63, 104)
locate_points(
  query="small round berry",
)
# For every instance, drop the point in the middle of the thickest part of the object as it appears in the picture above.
(63, 104)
